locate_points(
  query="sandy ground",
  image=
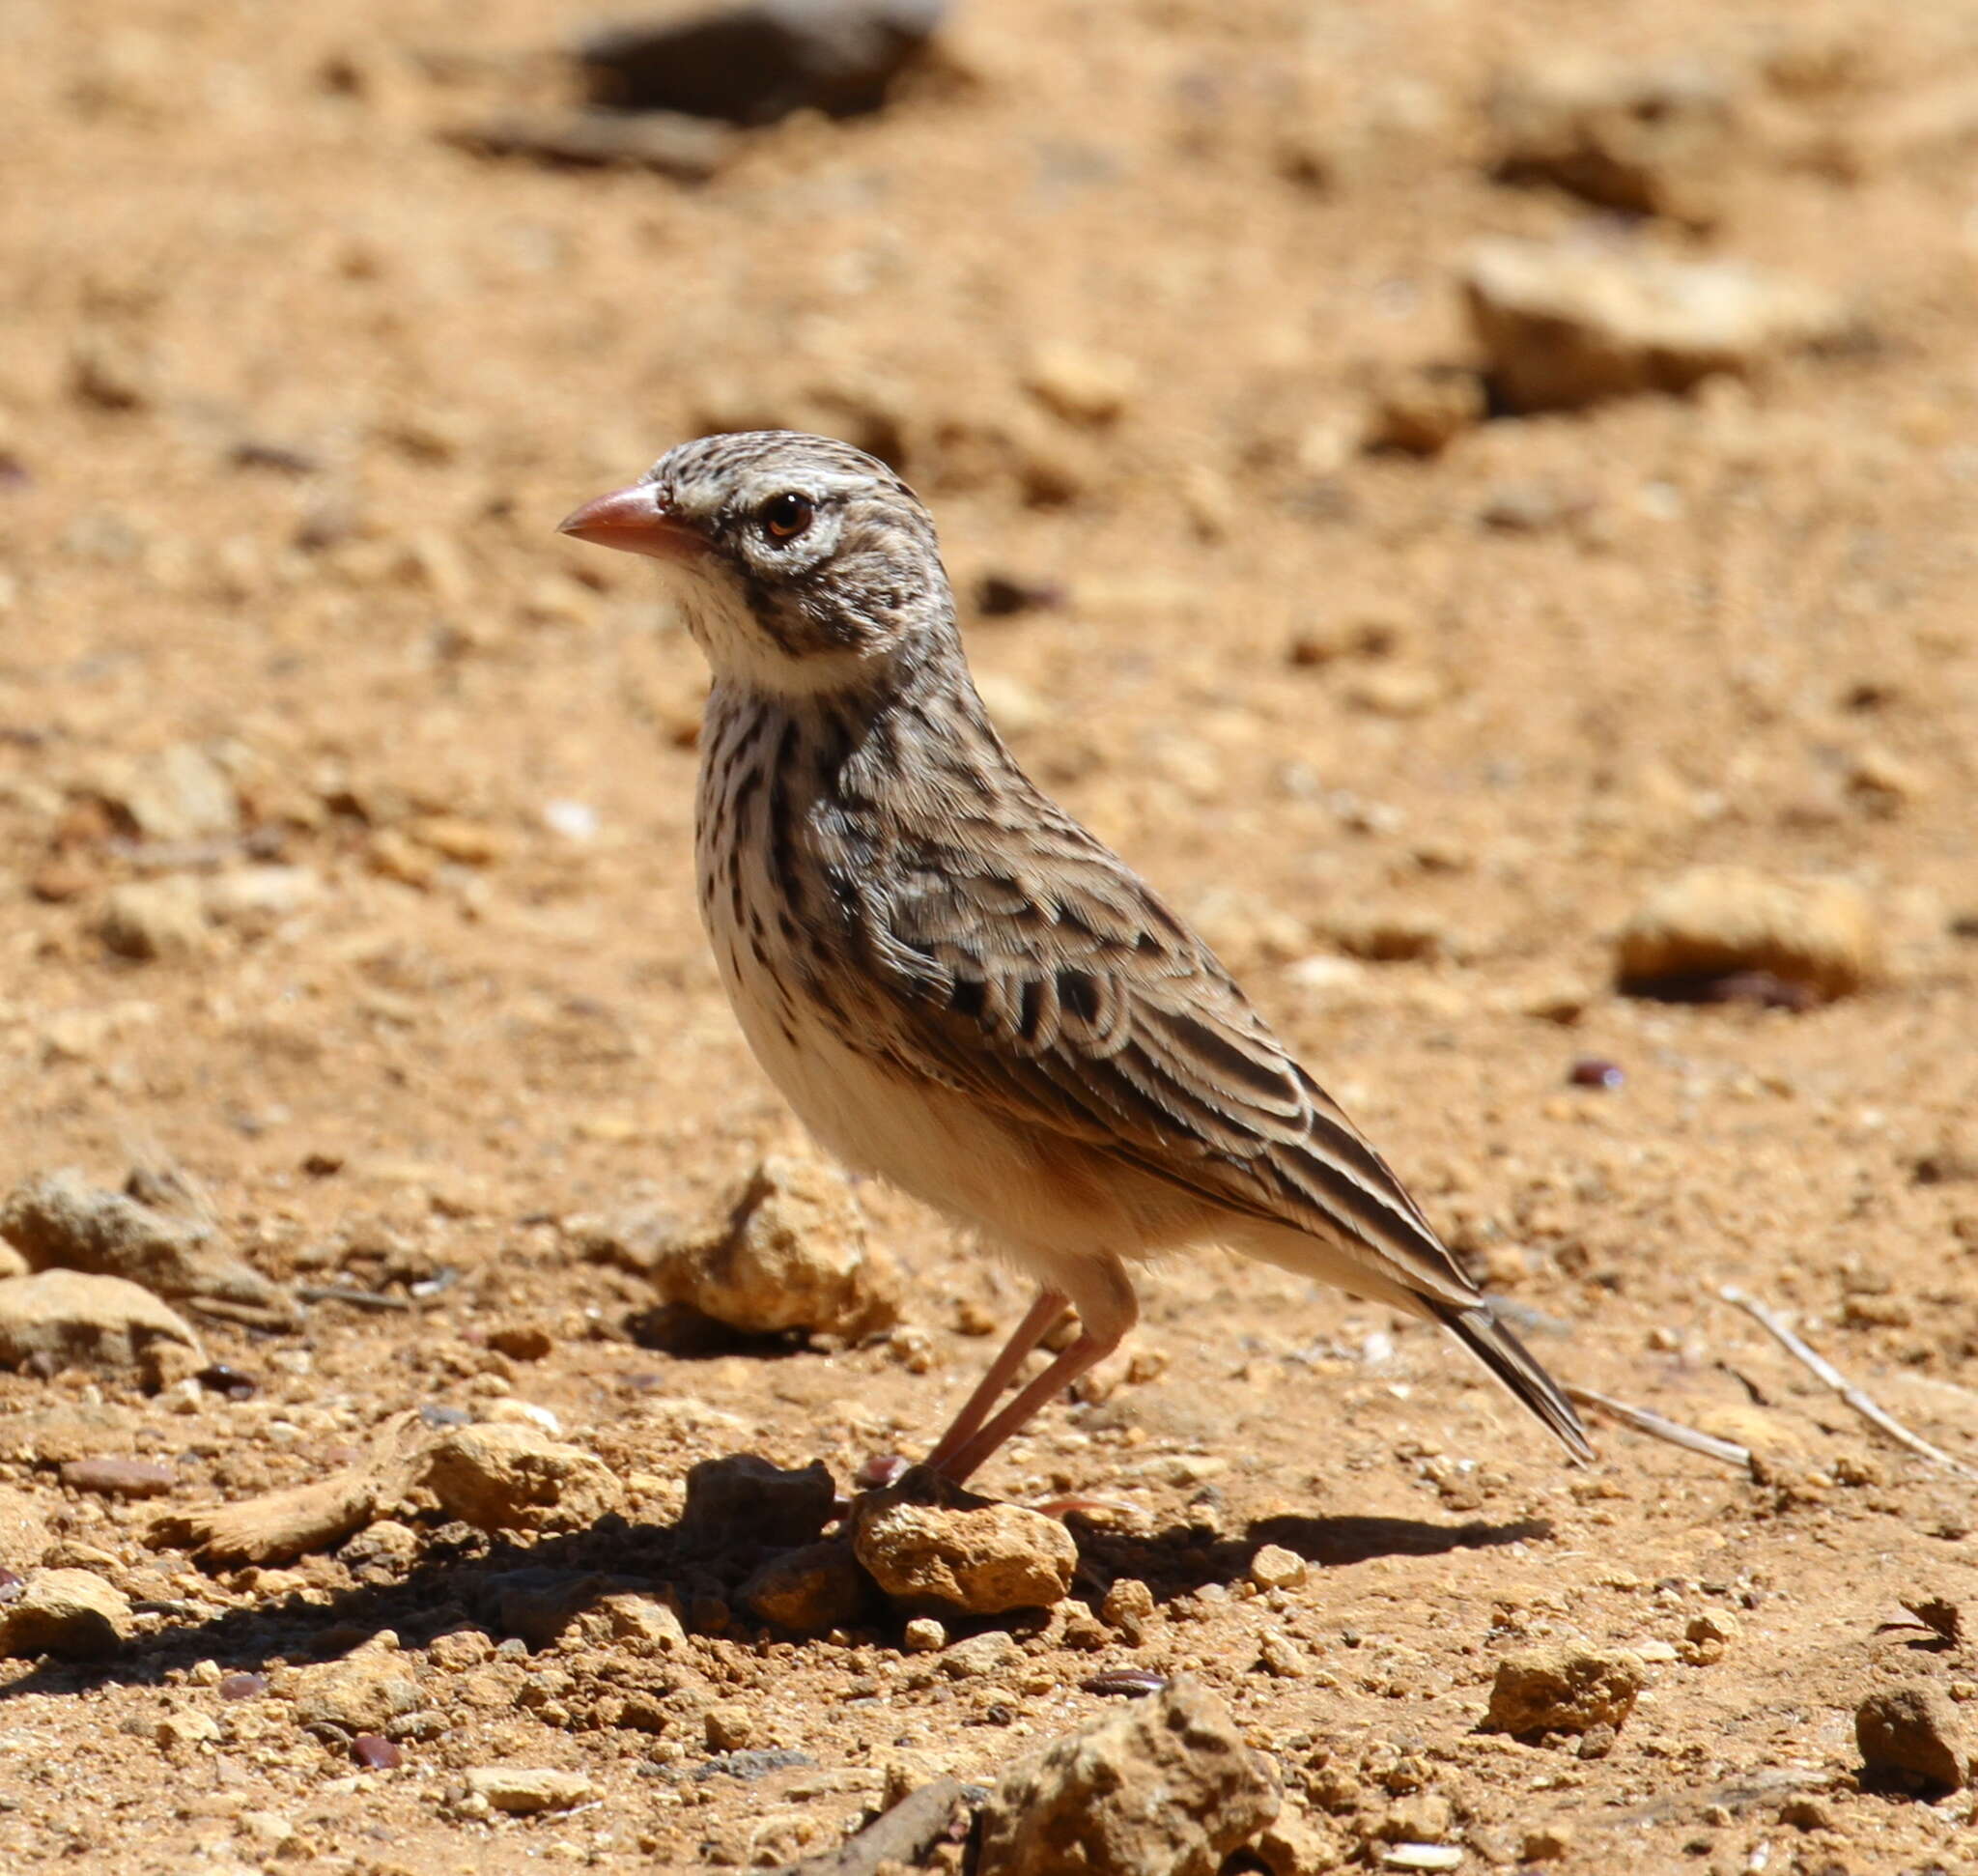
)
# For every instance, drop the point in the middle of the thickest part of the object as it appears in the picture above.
(292, 394)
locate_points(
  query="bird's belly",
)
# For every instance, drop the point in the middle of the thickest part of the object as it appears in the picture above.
(1029, 1194)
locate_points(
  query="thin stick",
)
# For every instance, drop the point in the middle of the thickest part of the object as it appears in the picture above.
(1658, 1427)
(336, 1292)
(1875, 1415)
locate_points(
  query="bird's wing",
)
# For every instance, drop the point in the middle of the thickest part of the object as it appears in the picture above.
(1060, 990)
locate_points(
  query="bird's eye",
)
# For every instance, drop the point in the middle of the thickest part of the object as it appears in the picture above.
(785, 515)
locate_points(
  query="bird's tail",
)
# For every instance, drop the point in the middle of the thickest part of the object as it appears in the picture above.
(1479, 1331)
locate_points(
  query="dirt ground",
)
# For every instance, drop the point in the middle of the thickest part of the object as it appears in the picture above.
(293, 393)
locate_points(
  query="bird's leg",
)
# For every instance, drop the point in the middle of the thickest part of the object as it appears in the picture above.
(959, 1460)
(1041, 1318)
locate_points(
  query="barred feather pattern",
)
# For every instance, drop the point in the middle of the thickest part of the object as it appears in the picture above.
(960, 989)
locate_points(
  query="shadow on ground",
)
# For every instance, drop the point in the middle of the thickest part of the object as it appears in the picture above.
(534, 1589)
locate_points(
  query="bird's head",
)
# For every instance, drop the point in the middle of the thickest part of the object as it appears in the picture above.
(801, 564)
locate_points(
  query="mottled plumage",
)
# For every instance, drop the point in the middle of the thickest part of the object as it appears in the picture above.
(953, 983)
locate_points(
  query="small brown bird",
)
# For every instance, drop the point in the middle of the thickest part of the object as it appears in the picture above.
(954, 984)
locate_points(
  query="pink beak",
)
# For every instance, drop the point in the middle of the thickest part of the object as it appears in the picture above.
(635, 520)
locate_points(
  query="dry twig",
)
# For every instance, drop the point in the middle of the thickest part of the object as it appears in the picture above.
(1659, 1426)
(280, 1526)
(1867, 1408)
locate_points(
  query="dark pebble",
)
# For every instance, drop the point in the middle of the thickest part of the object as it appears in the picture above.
(10, 1584)
(445, 1416)
(218, 1377)
(119, 1478)
(755, 1762)
(374, 1754)
(1591, 1071)
(251, 452)
(757, 64)
(1764, 988)
(1128, 1683)
(242, 1687)
(1003, 595)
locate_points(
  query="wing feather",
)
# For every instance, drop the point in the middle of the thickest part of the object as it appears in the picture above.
(1096, 1013)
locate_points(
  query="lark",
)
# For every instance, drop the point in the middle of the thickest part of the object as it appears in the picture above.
(955, 985)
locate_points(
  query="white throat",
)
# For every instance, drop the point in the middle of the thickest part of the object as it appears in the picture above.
(739, 654)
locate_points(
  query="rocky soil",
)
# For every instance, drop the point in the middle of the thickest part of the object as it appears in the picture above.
(1476, 500)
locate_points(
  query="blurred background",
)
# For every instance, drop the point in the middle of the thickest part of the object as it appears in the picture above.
(1474, 500)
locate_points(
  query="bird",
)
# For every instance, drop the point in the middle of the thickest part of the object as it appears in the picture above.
(956, 987)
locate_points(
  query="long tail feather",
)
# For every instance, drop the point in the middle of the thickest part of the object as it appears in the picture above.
(1478, 1330)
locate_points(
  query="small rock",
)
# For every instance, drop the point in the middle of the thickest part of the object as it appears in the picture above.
(521, 1341)
(241, 1687)
(1706, 1636)
(988, 1653)
(1647, 137)
(1594, 1071)
(1953, 1159)
(1395, 935)
(787, 1250)
(66, 1316)
(1421, 410)
(1714, 923)
(361, 1693)
(510, 1478)
(386, 1546)
(71, 1615)
(1914, 1734)
(647, 1621)
(376, 1754)
(60, 1221)
(758, 61)
(513, 1413)
(924, 1636)
(1080, 386)
(256, 899)
(1293, 1844)
(1806, 1814)
(809, 1590)
(1564, 324)
(113, 373)
(1883, 781)
(1128, 1606)
(1422, 1855)
(744, 1498)
(179, 794)
(190, 1727)
(24, 1533)
(728, 1726)
(973, 1553)
(119, 1478)
(1001, 595)
(1165, 1785)
(1562, 1687)
(1278, 1653)
(156, 921)
(1546, 1843)
(524, 1792)
(268, 1827)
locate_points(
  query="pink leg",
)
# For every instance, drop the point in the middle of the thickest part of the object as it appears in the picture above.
(957, 1462)
(1043, 1316)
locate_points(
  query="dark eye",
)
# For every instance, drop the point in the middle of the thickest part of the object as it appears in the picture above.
(785, 515)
